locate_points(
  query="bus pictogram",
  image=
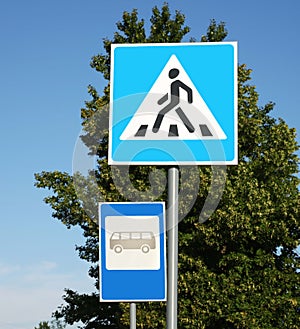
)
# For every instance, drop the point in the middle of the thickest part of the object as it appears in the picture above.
(132, 240)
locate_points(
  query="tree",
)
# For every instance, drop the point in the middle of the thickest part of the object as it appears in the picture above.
(239, 268)
(55, 324)
(43, 325)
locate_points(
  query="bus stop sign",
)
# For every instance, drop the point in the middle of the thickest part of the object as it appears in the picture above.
(132, 251)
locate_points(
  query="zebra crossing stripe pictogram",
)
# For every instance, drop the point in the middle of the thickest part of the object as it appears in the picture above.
(173, 130)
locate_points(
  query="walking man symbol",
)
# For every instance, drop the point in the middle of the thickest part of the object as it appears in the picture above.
(174, 101)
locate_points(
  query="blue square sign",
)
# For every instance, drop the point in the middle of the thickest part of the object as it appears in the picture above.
(132, 251)
(173, 104)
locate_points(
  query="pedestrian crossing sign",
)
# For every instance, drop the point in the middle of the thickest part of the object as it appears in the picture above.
(173, 104)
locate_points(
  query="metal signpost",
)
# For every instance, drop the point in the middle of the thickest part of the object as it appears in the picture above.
(171, 104)
(172, 226)
(132, 316)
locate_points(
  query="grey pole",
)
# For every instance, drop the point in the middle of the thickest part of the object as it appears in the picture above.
(172, 226)
(132, 316)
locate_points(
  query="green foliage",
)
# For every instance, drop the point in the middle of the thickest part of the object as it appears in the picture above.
(215, 32)
(43, 325)
(55, 324)
(238, 269)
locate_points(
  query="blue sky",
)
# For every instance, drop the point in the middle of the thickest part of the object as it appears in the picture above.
(46, 47)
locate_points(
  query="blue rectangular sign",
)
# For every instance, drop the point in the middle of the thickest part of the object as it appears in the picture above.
(173, 104)
(132, 251)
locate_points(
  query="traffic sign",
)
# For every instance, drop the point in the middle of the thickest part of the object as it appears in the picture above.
(132, 251)
(173, 104)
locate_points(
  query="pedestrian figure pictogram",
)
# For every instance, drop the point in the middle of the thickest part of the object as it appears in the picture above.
(174, 101)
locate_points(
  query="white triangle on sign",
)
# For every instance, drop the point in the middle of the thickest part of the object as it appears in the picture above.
(184, 121)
